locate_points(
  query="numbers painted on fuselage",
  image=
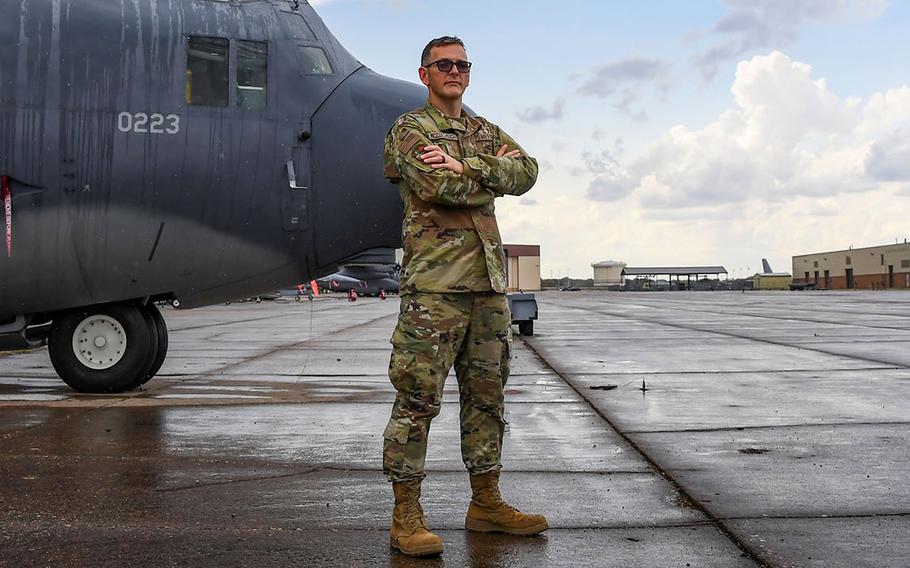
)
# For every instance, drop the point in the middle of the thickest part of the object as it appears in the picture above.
(143, 123)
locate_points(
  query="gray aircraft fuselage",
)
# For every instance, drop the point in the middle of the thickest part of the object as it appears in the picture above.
(125, 184)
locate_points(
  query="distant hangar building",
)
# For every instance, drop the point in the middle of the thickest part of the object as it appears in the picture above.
(608, 273)
(878, 267)
(523, 267)
(772, 281)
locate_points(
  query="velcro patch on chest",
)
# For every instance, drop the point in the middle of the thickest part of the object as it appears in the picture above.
(443, 136)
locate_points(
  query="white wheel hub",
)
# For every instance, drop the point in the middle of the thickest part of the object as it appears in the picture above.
(99, 342)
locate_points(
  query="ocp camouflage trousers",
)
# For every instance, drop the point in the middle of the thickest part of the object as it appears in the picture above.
(471, 331)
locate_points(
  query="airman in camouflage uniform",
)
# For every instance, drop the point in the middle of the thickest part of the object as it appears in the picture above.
(449, 167)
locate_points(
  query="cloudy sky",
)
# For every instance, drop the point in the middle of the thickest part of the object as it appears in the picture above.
(668, 132)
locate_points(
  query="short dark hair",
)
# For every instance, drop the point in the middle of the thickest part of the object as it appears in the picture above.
(438, 42)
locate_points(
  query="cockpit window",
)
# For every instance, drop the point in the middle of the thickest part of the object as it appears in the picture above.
(297, 26)
(252, 74)
(207, 71)
(314, 61)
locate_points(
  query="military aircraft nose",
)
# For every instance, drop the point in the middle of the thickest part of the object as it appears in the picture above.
(354, 208)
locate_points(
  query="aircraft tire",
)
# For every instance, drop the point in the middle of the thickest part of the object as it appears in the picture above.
(160, 328)
(526, 328)
(90, 373)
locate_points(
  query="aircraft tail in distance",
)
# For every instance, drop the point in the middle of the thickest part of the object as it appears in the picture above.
(766, 268)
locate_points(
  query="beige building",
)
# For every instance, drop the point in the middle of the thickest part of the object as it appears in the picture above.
(879, 267)
(608, 272)
(523, 267)
(772, 281)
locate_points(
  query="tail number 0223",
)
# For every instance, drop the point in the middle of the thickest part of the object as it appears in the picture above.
(143, 123)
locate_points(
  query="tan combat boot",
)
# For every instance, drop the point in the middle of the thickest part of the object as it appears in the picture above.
(489, 513)
(410, 534)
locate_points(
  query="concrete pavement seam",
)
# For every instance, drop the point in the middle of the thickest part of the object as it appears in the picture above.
(733, 372)
(819, 516)
(692, 501)
(146, 393)
(767, 427)
(274, 350)
(730, 334)
(802, 319)
(264, 318)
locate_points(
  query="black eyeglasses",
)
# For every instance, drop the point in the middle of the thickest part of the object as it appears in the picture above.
(445, 65)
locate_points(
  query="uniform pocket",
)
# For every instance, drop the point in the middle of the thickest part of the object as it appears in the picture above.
(416, 339)
(397, 431)
(484, 146)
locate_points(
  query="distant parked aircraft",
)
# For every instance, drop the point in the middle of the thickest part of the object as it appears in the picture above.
(373, 273)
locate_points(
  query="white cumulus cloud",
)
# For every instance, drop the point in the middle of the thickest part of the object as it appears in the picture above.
(889, 157)
(787, 135)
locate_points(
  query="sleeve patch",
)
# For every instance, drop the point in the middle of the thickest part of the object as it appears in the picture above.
(408, 143)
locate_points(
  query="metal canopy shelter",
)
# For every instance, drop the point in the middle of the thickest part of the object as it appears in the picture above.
(678, 271)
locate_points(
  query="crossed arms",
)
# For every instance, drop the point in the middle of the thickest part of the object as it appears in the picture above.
(438, 178)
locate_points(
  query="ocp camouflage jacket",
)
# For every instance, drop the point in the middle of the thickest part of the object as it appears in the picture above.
(451, 239)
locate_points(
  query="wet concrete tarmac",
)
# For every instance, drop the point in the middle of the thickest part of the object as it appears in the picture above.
(771, 430)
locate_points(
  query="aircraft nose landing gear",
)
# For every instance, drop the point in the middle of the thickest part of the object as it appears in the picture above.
(108, 348)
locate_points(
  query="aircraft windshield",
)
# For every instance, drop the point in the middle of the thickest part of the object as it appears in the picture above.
(297, 26)
(314, 61)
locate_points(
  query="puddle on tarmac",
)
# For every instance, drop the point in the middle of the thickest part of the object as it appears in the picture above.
(213, 396)
(33, 397)
(31, 382)
(229, 388)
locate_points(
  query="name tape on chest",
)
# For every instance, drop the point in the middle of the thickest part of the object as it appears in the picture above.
(443, 136)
